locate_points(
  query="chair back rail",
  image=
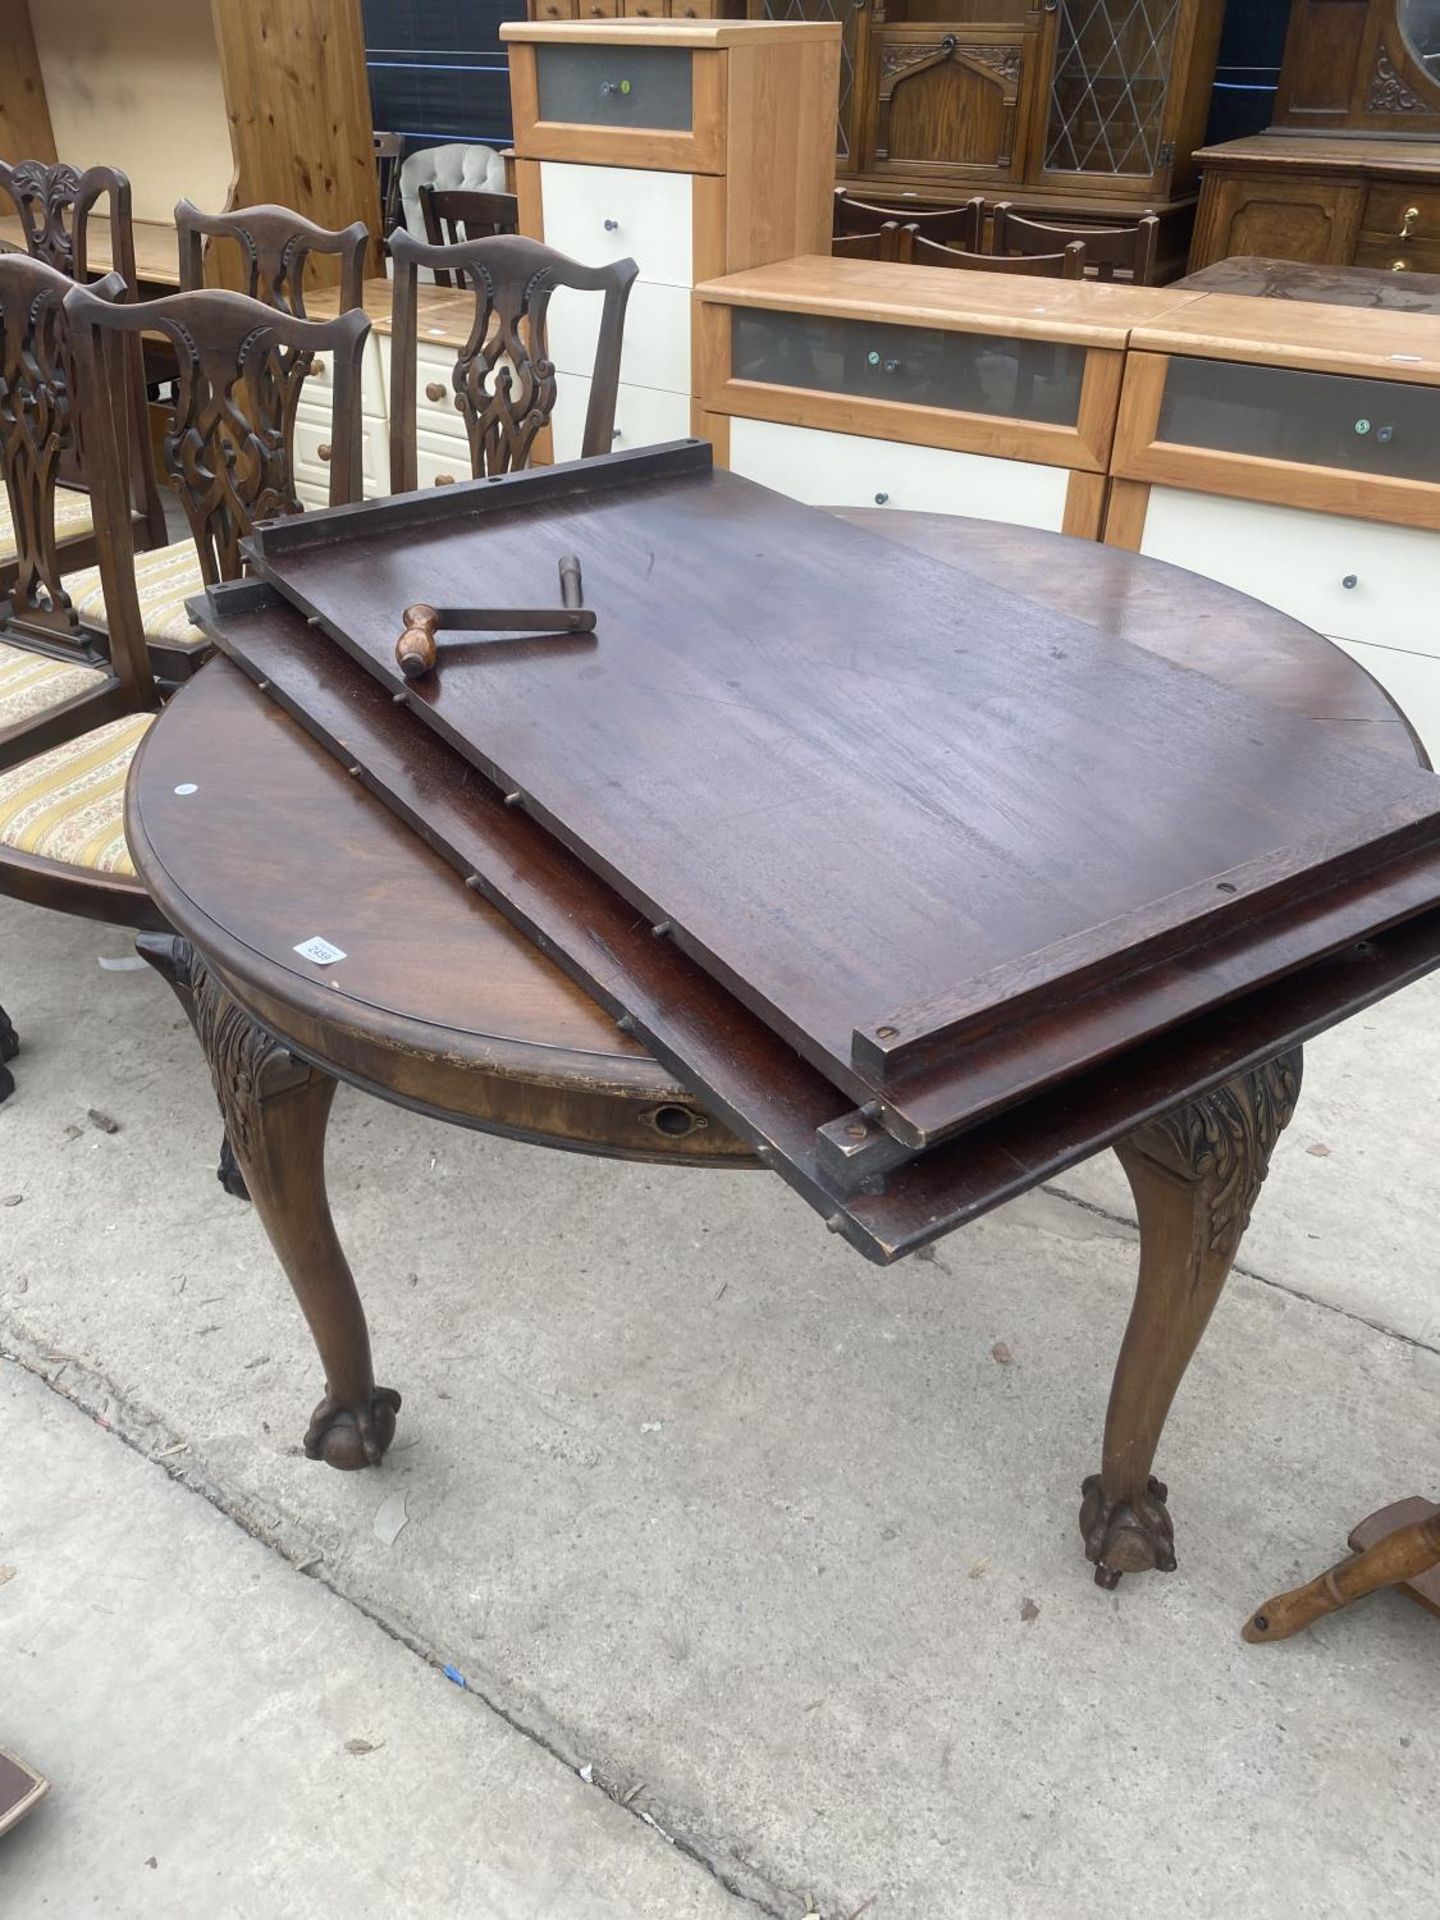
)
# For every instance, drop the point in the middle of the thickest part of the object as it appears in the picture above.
(275, 244)
(888, 242)
(1068, 264)
(504, 379)
(962, 226)
(227, 451)
(452, 214)
(1109, 251)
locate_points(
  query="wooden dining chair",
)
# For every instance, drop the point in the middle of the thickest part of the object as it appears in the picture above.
(1066, 265)
(62, 841)
(274, 247)
(51, 683)
(888, 242)
(1111, 253)
(452, 214)
(962, 226)
(57, 207)
(389, 158)
(503, 379)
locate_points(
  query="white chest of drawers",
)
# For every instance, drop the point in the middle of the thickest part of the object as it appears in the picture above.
(691, 148)
(1294, 452)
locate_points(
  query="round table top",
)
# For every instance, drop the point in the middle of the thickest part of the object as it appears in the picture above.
(439, 1002)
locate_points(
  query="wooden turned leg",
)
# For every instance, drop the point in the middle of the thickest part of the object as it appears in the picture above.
(9, 1047)
(1402, 1555)
(1195, 1175)
(276, 1108)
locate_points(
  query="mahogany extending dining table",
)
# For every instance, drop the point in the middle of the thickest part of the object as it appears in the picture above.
(473, 1024)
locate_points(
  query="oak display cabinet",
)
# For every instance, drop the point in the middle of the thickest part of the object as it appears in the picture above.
(1293, 452)
(1348, 174)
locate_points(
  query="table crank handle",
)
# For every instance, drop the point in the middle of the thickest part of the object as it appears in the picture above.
(415, 651)
(571, 590)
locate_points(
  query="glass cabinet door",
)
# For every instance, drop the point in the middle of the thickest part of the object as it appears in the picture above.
(846, 15)
(1110, 79)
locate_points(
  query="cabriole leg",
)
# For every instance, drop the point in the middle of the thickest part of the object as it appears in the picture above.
(276, 1108)
(1195, 1175)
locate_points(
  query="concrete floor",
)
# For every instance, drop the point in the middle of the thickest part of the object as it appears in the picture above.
(765, 1539)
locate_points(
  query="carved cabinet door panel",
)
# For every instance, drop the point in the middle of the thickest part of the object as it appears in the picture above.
(952, 101)
(1314, 219)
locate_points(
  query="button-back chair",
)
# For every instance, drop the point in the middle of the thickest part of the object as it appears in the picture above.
(503, 379)
(462, 213)
(62, 841)
(1110, 252)
(274, 246)
(962, 226)
(1066, 265)
(58, 211)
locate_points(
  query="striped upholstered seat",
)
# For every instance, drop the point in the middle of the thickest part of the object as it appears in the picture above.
(164, 579)
(72, 518)
(32, 684)
(68, 804)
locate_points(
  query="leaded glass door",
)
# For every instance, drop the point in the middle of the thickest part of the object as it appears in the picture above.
(845, 13)
(1110, 75)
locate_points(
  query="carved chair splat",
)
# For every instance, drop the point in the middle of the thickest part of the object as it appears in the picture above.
(55, 202)
(227, 449)
(504, 379)
(38, 431)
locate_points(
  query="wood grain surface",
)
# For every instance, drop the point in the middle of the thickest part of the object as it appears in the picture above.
(906, 843)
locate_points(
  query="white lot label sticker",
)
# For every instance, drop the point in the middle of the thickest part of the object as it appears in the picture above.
(320, 951)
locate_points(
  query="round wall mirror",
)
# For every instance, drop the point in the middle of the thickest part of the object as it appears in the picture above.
(1420, 24)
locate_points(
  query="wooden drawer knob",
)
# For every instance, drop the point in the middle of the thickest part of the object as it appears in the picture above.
(435, 390)
(324, 449)
(317, 367)
(444, 480)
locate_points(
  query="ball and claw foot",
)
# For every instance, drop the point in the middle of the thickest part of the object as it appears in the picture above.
(1124, 1536)
(348, 1438)
(228, 1172)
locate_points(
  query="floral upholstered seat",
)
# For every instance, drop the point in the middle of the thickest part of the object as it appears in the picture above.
(72, 518)
(68, 804)
(165, 578)
(32, 683)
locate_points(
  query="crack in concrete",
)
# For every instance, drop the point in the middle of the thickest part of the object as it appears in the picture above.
(122, 1422)
(1251, 1273)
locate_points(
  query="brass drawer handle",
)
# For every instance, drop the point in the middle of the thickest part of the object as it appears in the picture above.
(1408, 220)
(435, 390)
(1397, 266)
(324, 449)
(444, 480)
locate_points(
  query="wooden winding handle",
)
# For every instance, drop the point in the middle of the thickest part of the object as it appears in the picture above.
(415, 650)
(1400, 1556)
